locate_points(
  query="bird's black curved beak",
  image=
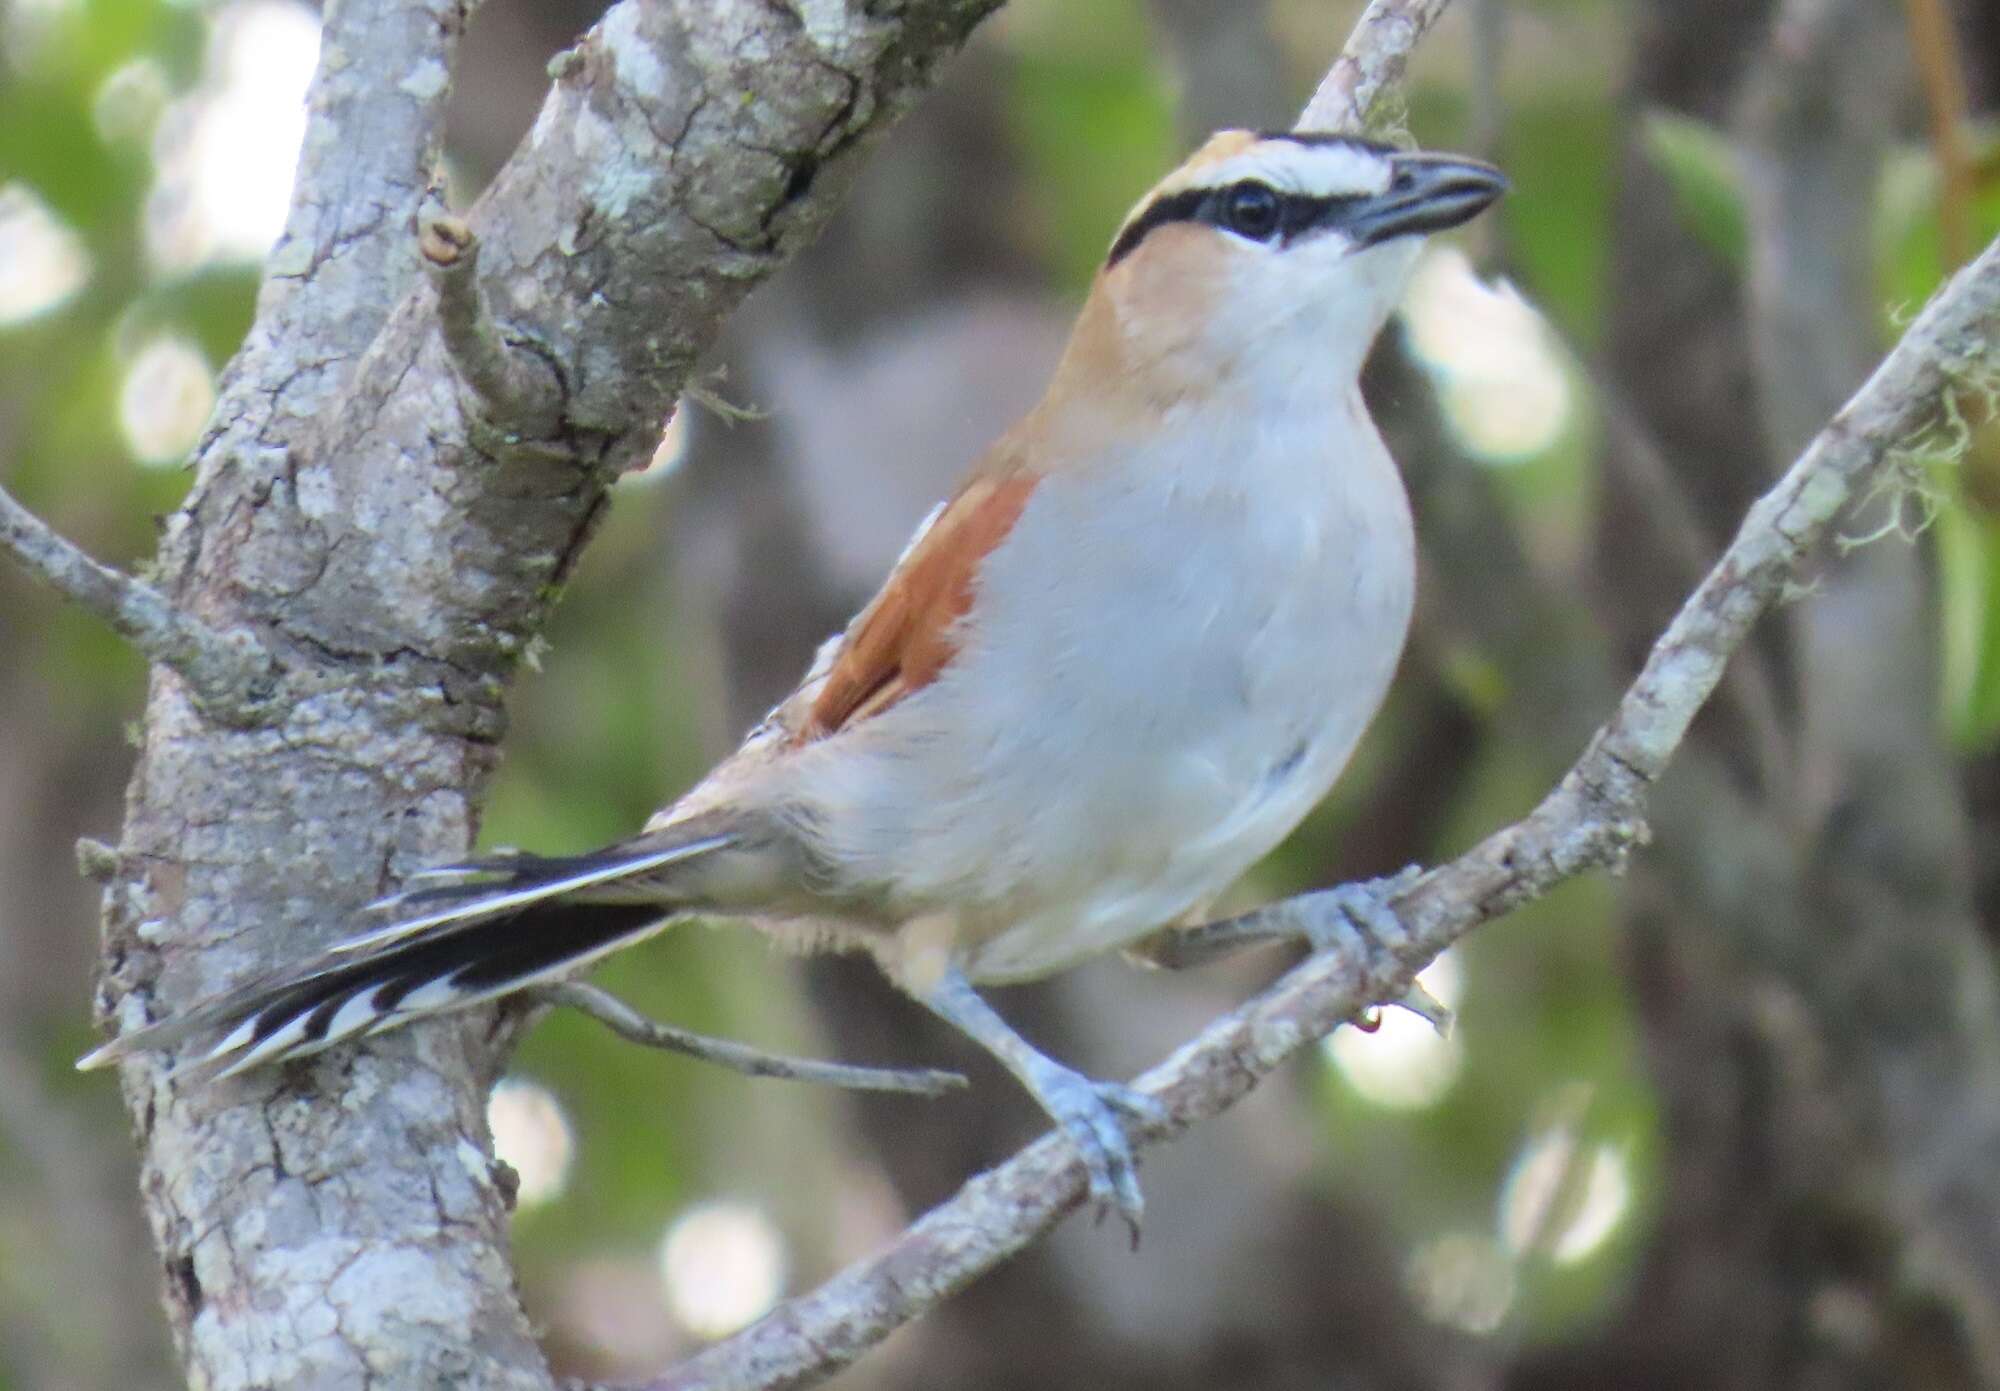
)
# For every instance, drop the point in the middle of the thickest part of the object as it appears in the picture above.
(1426, 193)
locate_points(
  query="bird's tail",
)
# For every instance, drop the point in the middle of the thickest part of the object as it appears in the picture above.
(467, 932)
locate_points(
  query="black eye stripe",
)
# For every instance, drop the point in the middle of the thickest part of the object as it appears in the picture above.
(1171, 207)
(1296, 212)
(1299, 212)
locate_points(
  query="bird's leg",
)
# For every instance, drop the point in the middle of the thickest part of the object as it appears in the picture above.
(1359, 915)
(1092, 1114)
(1331, 918)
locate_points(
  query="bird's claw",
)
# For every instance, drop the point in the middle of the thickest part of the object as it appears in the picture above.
(1095, 1115)
(1427, 1007)
(1146, 1112)
(1359, 915)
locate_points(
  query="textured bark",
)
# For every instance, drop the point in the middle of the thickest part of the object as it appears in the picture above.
(1372, 63)
(394, 553)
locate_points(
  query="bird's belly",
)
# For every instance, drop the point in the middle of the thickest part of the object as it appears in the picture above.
(1129, 729)
(1171, 796)
(1111, 873)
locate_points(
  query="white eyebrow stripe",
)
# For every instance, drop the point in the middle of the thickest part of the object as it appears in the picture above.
(1321, 171)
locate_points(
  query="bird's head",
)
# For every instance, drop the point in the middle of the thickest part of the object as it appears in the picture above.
(1276, 250)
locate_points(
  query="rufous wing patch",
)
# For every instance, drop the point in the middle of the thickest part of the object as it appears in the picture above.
(908, 634)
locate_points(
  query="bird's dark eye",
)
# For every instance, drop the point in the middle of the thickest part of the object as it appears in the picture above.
(1250, 209)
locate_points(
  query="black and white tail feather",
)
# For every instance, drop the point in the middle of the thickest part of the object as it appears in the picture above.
(502, 924)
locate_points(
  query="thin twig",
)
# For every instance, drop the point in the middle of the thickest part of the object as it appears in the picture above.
(1935, 49)
(634, 1027)
(1590, 820)
(513, 391)
(1489, 65)
(1375, 58)
(225, 670)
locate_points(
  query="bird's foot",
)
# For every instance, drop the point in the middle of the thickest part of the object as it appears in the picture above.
(1094, 1115)
(1363, 916)
(1357, 915)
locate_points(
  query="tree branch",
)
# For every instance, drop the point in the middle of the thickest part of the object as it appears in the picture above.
(375, 130)
(1376, 56)
(634, 1027)
(1901, 1057)
(1590, 820)
(225, 670)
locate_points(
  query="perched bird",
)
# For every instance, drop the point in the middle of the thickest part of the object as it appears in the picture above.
(1104, 679)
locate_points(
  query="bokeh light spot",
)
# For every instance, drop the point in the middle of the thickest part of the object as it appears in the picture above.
(1462, 1280)
(1404, 1064)
(167, 394)
(532, 1135)
(42, 261)
(26, 25)
(130, 101)
(224, 156)
(1502, 379)
(723, 1266)
(1561, 1199)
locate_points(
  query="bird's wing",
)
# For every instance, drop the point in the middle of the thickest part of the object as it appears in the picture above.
(907, 634)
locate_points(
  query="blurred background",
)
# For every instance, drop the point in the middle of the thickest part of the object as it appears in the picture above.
(1729, 1120)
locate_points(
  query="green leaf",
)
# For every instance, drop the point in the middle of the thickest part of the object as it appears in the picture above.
(1561, 152)
(1969, 581)
(1092, 116)
(1909, 255)
(1707, 183)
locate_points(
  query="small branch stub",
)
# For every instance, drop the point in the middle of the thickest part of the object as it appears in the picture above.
(444, 240)
(96, 861)
(513, 391)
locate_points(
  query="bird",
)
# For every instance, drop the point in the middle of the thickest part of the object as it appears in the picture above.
(1116, 668)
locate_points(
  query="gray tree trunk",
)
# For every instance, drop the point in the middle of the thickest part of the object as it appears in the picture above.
(392, 541)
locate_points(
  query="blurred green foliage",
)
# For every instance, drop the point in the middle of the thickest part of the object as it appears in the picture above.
(60, 372)
(1961, 460)
(1094, 120)
(1700, 163)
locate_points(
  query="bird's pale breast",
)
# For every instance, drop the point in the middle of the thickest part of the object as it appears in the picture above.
(1128, 725)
